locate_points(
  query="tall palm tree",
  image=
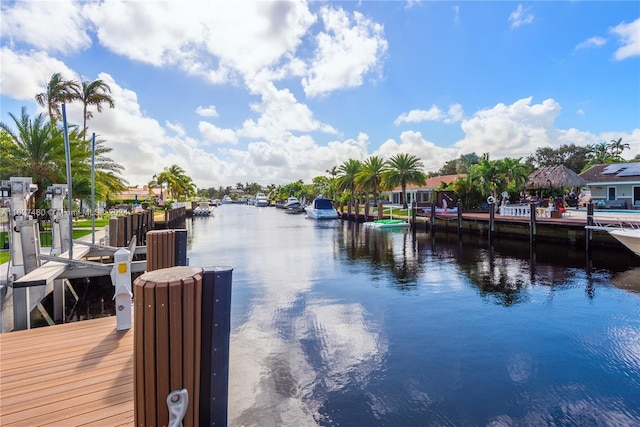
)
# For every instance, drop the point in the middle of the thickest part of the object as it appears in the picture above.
(346, 180)
(331, 187)
(58, 91)
(369, 178)
(95, 94)
(403, 169)
(617, 147)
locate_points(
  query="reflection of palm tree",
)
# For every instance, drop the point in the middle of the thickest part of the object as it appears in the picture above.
(58, 91)
(403, 169)
(369, 177)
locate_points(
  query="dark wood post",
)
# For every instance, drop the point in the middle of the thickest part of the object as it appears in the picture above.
(167, 343)
(532, 224)
(432, 218)
(459, 210)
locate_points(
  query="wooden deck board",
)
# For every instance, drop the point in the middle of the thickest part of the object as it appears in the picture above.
(74, 374)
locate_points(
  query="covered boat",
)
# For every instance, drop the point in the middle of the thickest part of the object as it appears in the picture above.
(321, 208)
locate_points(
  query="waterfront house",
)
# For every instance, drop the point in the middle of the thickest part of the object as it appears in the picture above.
(615, 185)
(426, 193)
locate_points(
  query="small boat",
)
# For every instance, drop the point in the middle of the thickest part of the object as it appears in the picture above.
(261, 200)
(321, 208)
(226, 200)
(627, 234)
(387, 223)
(292, 202)
(203, 209)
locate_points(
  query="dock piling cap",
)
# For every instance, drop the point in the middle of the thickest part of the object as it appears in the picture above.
(171, 274)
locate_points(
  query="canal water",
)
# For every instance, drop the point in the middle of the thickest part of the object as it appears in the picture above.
(335, 324)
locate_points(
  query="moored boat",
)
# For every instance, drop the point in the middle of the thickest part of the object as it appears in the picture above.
(226, 200)
(629, 236)
(261, 200)
(321, 208)
(203, 209)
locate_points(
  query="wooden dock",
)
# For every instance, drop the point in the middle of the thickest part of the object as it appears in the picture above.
(75, 374)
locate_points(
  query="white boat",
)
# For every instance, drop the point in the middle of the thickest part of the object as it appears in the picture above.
(321, 208)
(630, 237)
(627, 235)
(261, 200)
(203, 209)
(226, 200)
(292, 202)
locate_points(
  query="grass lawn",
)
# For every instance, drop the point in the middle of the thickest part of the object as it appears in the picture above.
(4, 256)
(103, 222)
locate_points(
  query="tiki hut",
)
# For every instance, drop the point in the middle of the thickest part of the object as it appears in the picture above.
(555, 177)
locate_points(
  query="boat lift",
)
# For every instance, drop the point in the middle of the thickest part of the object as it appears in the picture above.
(32, 279)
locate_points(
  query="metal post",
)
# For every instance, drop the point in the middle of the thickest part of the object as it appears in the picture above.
(214, 356)
(121, 280)
(67, 156)
(93, 188)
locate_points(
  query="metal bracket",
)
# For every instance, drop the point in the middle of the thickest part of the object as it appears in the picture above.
(77, 263)
(177, 401)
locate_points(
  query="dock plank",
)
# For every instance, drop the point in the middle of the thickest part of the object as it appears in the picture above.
(79, 373)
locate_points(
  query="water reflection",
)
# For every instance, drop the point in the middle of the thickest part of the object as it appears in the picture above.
(337, 324)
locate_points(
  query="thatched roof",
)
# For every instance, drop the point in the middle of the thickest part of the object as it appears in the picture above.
(555, 176)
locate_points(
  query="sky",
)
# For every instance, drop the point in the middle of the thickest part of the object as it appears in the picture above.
(273, 92)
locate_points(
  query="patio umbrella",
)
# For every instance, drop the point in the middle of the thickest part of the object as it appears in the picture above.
(555, 176)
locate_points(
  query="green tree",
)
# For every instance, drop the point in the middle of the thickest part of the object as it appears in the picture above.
(403, 169)
(369, 177)
(36, 149)
(616, 147)
(178, 183)
(58, 91)
(93, 94)
(572, 156)
(346, 180)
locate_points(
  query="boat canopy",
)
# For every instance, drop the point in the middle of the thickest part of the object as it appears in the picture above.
(322, 204)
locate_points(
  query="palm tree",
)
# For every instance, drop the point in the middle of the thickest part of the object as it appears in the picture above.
(32, 150)
(486, 173)
(515, 172)
(178, 183)
(58, 91)
(93, 93)
(346, 180)
(331, 187)
(369, 178)
(36, 149)
(617, 147)
(403, 169)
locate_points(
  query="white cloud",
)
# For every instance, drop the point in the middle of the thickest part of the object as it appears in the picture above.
(592, 42)
(510, 130)
(213, 133)
(411, 142)
(209, 111)
(210, 39)
(629, 38)
(348, 49)
(25, 75)
(520, 16)
(55, 26)
(454, 114)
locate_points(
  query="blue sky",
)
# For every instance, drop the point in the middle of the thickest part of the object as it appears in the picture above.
(273, 92)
